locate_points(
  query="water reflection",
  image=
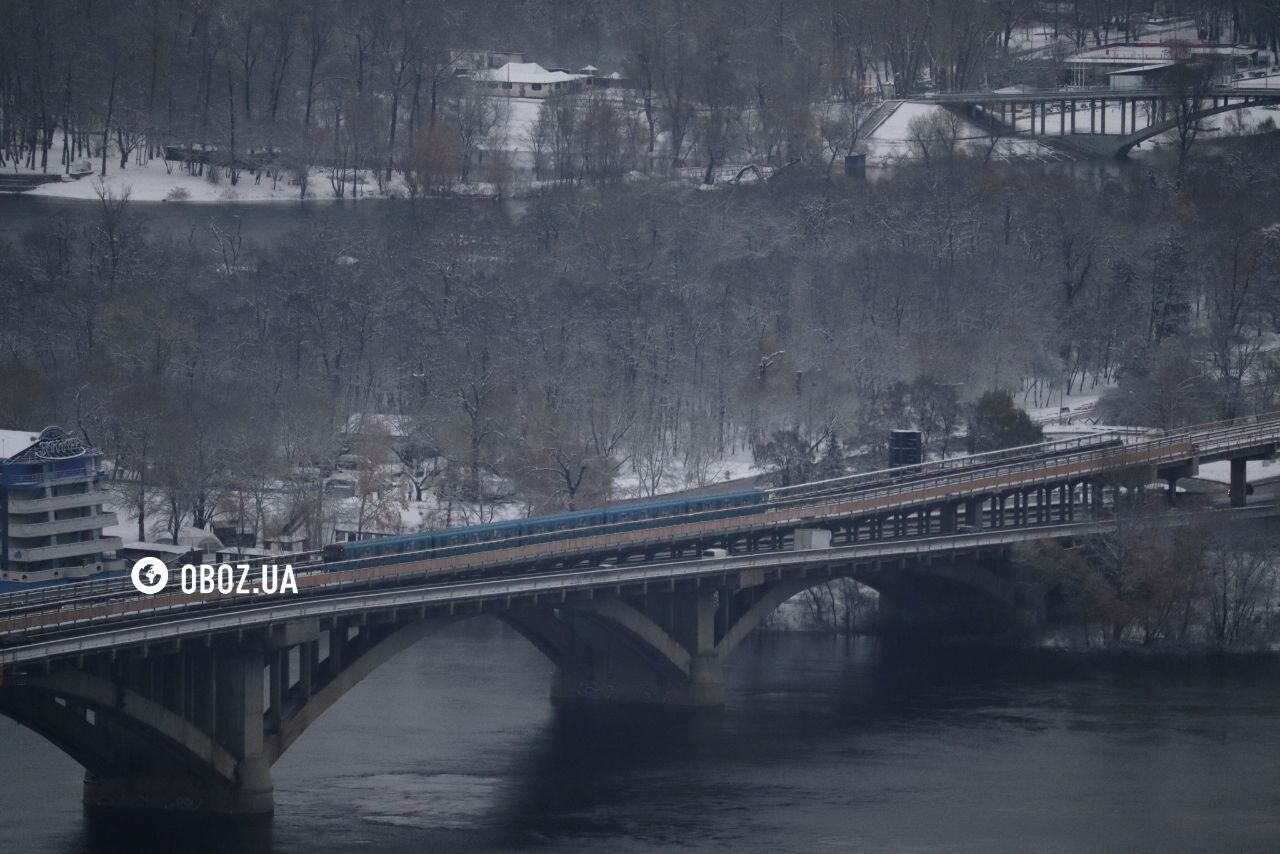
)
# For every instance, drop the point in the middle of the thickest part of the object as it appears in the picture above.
(823, 745)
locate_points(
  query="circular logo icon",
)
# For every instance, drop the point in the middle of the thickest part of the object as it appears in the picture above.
(150, 575)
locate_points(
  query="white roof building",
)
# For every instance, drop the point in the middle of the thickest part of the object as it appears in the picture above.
(527, 80)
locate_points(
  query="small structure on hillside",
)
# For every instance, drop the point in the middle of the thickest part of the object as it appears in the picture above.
(528, 80)
(1092, 67)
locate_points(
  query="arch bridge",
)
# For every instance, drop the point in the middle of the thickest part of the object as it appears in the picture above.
(1076, 119)
(184, 702)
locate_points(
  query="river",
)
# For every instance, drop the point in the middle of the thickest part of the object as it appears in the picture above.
(825, 745)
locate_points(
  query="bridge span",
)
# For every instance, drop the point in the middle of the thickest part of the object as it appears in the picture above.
(1076, 119)
(185, 701)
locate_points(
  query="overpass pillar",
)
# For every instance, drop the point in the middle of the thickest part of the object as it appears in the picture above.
(973, 513)
(1239, 482)
(947, 518)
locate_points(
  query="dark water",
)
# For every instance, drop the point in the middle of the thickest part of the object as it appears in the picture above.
(824, 746)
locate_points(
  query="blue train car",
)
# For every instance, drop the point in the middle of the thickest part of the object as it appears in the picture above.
(548, 528)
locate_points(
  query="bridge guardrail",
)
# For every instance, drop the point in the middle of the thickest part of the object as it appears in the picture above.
(346, 602)
(287, 609)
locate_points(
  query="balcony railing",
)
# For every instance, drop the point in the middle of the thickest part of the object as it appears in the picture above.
(84, 547)
(51, 527)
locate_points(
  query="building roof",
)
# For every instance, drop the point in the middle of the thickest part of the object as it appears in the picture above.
(525, 72)
(50, 444)
(1142, 52)
(14, 442)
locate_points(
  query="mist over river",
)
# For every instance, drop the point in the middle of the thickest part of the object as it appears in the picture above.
(825, 745)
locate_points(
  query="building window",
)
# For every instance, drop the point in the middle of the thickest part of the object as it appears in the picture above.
(537, 87)
(506, 85)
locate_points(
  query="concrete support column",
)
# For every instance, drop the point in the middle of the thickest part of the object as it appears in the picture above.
(973, 513)
(308, 653)
(204, 689)
(695, 627)
(1239, 483)
(947, 518)
(337, 646)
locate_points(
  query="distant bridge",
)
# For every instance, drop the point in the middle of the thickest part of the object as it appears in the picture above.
(1059, 116)
(184, 701)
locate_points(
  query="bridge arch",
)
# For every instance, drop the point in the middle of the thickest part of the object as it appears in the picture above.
(1130, 141)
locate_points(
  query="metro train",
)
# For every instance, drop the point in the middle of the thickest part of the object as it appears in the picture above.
(559, 526)
(670, 511)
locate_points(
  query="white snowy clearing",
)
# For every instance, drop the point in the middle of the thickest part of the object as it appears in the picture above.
(156, 181)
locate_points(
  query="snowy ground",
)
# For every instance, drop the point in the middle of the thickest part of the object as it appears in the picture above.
(154, 181)
(1079, 405)
(1039, 37)
(676, 478)
(1256, 471)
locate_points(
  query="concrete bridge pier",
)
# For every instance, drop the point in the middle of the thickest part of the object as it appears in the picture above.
(139, 755)
(1239, 482)
(661, 648)
(195, 725)
(973, 513)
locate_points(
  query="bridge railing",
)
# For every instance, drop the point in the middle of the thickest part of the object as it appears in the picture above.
(1216, 436)
(343, 598)
(96, 588)
(986, 459)
(320, 598)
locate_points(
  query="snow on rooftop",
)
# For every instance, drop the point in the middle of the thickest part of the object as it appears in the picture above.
(526, 72)
(14, 442)
(1152, 51)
